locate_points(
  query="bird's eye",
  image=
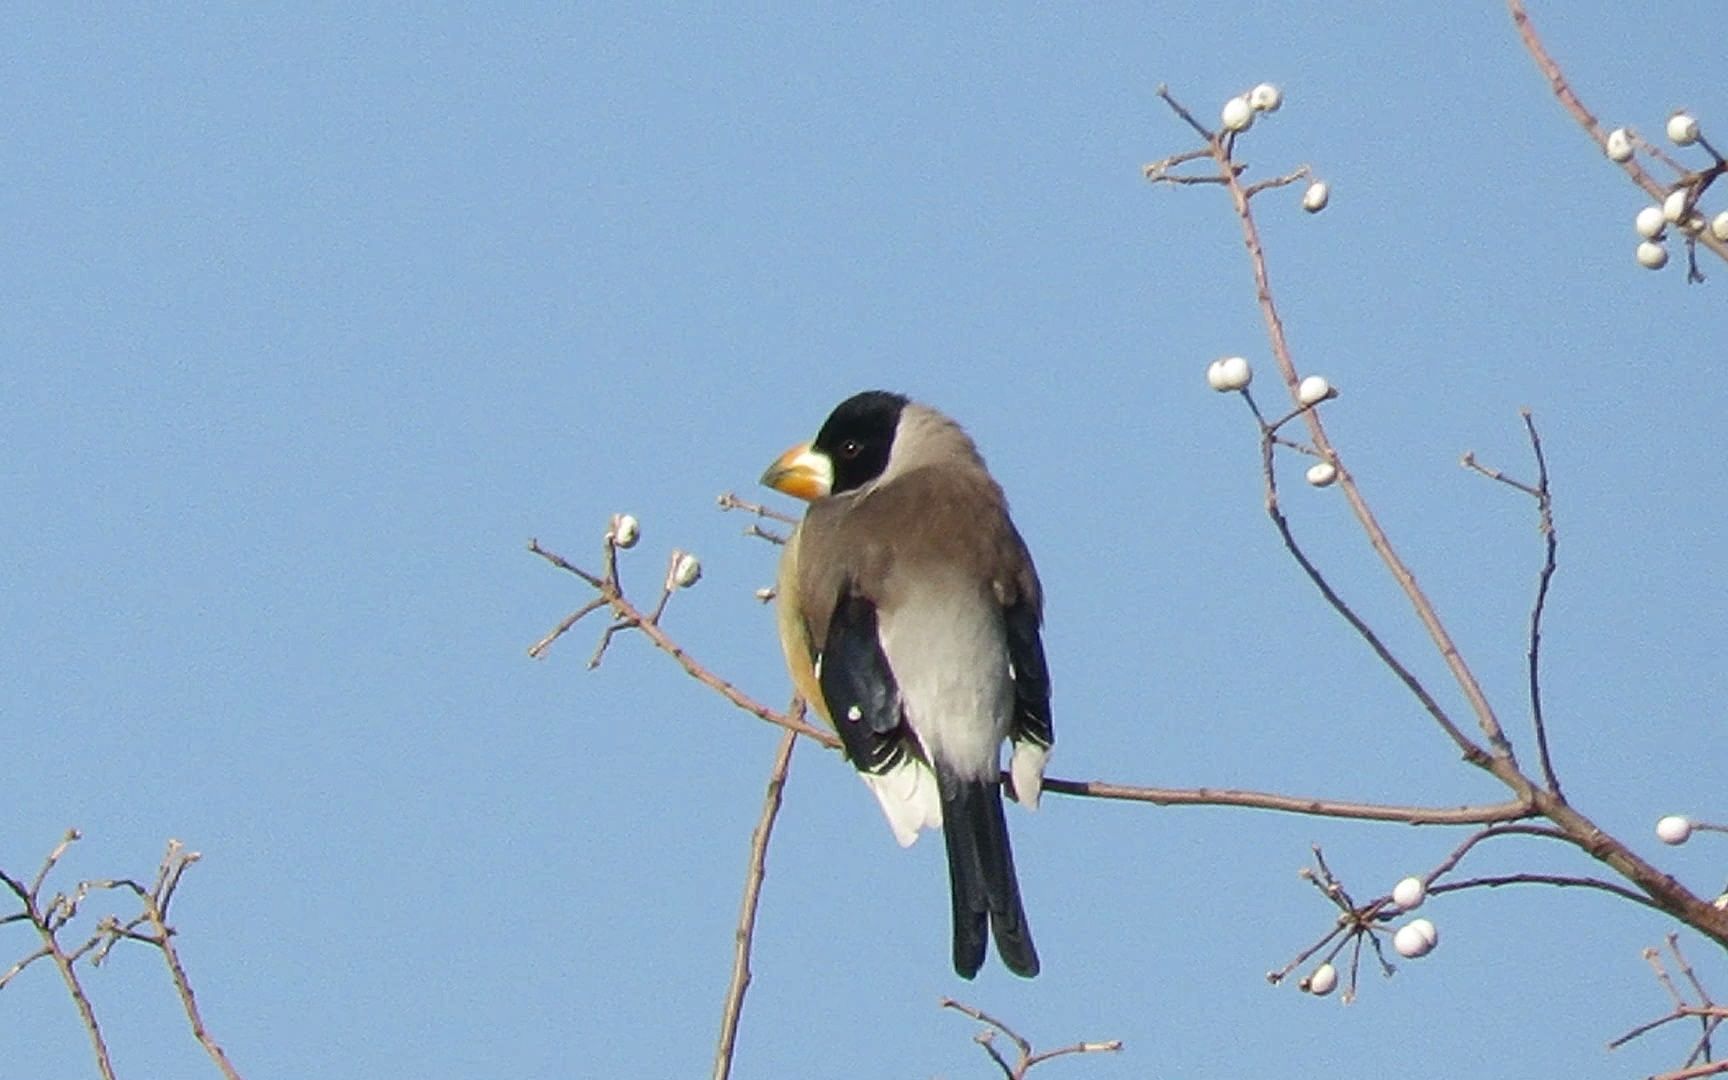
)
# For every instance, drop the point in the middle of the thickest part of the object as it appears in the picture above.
(851, 448)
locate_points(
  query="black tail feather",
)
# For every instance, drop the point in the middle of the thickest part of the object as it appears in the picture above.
(981, 879)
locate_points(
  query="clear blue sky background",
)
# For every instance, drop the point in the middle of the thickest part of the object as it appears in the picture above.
(315, 315)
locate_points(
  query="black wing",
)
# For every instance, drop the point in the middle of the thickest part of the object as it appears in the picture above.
(1032, 721)
(859, 688)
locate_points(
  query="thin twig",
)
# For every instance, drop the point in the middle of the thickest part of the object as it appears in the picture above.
(746, 932)
(46, 926)
(1551, 538)
(1561, 880)
(1027, 1058)
(729, 501)
(1294, 804)
(1543, 494)
(1709, 1068)
(1182, 110)
(538, 649)
(630, 617)
(174, 864)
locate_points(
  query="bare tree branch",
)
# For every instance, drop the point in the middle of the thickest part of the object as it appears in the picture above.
(1573, 104)
(1028, 1059)
(744, 936)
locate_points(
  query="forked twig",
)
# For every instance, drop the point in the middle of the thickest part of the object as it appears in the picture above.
(1027, 1058)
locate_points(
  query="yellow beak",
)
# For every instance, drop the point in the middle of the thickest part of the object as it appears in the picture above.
(802, 473)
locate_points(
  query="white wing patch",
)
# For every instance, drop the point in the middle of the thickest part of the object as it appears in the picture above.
(1026, 769)
(909, 797)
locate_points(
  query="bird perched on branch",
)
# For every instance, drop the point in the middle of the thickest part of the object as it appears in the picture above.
(909, 611)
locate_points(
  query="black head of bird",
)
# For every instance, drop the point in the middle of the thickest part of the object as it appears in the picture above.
(910, 615)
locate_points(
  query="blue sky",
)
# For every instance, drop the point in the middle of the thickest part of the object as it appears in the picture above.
(317, 314)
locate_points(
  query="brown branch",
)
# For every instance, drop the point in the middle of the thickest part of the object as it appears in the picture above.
(1377, 537)
(1294, 804)
(1709, 1068)
(631, 617)
(729, 501)
(745, 934)
(1451, 861)
(1573, 104)
(1533, 656)
(1279, 181)
(1670, 895)
(1028, 1058)
(46, 923)
(1466, 746)
(174, 864)
(1561, 880)
(1543, 494)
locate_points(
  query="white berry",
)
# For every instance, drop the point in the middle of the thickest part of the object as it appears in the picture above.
(1619, 146)
(1650, 222)
(1683, 129)
(1313, 389)
(625, 530)
(1416, 938)
(1265, 98)
(1652, 255)
(1324, 979)
(1238, 114)
(1229, 373)
(1409, 893)
(1674, 829)
(1322, 474)
(1674, 206)
(1719, 226)
(686, 569)
(1316, 197)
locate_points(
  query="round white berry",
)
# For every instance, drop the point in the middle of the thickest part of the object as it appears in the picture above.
(1652, 255)
(1416, 938)
(1313, 390)
(625, 530)
(1409, 893)
(1619, 146)
(1324, 979)
(1238, 114)
(1650, 222)
(1719, 226)
(1316, 197)
(1674, 206)
(1322, 474)
(1683, 129)
(1265, 98)
(1674, 829)
(686, 569)
(1229, 373)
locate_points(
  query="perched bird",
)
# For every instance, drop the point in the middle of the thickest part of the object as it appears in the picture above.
(909, 611)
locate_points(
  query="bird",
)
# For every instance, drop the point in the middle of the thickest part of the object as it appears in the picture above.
(910, 613)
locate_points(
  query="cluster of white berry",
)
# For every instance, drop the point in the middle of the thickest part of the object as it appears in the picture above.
(1228, 373)
(1414, 939)
(1238, 116)
(1679, 208)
